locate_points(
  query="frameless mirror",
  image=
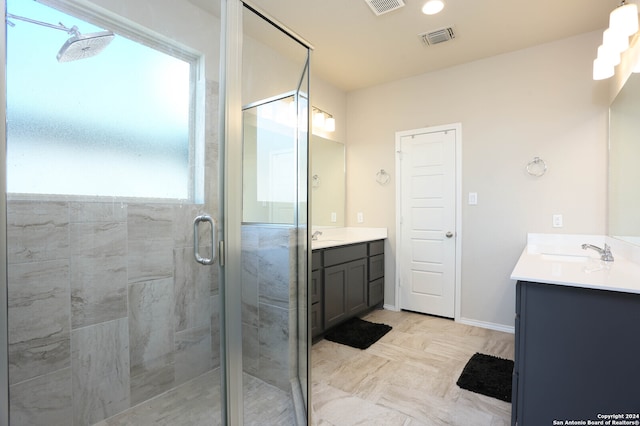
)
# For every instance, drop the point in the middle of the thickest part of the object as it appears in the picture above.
(327, 182)
(624, 153)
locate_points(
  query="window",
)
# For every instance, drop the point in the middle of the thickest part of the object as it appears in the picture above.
(119, 123)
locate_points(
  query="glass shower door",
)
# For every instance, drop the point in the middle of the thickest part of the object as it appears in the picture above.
(112, 152)
(275, 343)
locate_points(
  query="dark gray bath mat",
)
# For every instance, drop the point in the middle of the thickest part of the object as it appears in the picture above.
(488, 375)
(358, 333)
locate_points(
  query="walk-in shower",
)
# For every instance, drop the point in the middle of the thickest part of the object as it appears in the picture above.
(121, 311)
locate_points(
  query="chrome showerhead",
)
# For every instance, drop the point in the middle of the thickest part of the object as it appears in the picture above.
(77, 47)
(84, 46)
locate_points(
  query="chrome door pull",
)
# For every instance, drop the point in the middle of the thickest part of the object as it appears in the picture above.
(196, 243)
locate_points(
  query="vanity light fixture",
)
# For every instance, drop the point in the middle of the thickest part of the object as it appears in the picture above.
(623, 22)
(432, 7)
(322, 120)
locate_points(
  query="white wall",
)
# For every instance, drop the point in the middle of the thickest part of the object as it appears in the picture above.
(540, 101)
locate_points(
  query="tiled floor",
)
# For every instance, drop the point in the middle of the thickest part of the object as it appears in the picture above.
(197, 403)
(408, 377)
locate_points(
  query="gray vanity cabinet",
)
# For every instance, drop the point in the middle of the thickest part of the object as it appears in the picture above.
(577, 354)
(346, 281)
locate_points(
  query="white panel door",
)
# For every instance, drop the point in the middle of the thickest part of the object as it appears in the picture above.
(428, 222)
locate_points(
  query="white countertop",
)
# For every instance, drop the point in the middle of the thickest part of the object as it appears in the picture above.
(560, 259)
(333, 237)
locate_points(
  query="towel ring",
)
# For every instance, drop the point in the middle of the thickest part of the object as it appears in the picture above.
(382, 177)
(536, 167)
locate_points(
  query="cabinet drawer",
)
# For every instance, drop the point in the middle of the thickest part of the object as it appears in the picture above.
(376, 247)
(316, 260)
(316, 319)
(376, 267)
(338, 255)
(376, 292)
(316, 286)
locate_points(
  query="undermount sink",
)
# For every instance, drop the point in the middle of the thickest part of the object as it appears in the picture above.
(554, 257)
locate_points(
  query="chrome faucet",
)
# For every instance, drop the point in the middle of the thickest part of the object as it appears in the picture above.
(314, 236)
(605, 253)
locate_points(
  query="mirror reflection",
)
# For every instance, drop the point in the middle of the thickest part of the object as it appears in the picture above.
(327, 182)
(269, 165)
(624, 153)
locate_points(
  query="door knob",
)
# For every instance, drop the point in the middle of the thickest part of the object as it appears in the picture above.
(449, 234)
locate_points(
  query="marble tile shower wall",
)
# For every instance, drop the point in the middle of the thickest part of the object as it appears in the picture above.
(106, 308)
(269, 304)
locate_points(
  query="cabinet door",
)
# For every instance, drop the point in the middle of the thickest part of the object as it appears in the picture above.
(357, 286)
(335, 290)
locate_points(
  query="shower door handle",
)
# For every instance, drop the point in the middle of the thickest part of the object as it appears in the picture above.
(196, 242)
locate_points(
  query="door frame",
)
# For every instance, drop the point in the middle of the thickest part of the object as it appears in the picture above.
(457, 128)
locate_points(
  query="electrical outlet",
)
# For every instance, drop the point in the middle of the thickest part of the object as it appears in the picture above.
(360, 217)
(334, 217)
(557, 221)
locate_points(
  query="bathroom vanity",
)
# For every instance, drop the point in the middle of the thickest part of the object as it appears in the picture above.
(577, 344)
(347, 276)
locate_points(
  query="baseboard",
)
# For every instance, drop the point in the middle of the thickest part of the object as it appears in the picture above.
(489, 325)
(390, 307)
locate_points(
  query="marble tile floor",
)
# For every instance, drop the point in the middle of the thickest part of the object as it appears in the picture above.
(197, 403)
(408, 377)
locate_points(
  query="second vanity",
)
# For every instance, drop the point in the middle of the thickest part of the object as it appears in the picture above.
(347, 275)
(577, 341)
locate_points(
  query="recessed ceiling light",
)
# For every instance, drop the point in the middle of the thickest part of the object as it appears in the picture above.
(432, 7)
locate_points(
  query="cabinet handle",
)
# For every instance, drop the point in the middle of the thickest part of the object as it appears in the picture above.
(196, 245)
(449, 234)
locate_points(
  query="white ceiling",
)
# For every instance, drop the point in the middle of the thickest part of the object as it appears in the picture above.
(354, 48)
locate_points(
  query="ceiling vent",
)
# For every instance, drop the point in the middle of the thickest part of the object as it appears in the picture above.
(381, 7)
(437, 36)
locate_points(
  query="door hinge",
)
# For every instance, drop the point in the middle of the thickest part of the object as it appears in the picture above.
(221, 252)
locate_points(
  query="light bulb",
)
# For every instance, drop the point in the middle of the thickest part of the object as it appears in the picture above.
(318, 119)
(330, 124)
(602, 70)
(608, 56)
(615, 41)
(432, 7)
(624, 19)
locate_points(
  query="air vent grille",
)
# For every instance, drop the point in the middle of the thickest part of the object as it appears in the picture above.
(380, 7)
(437, 36)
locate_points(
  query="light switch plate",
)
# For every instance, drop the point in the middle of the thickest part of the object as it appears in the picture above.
(473, 198)
(334, 217)
(360, 217)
